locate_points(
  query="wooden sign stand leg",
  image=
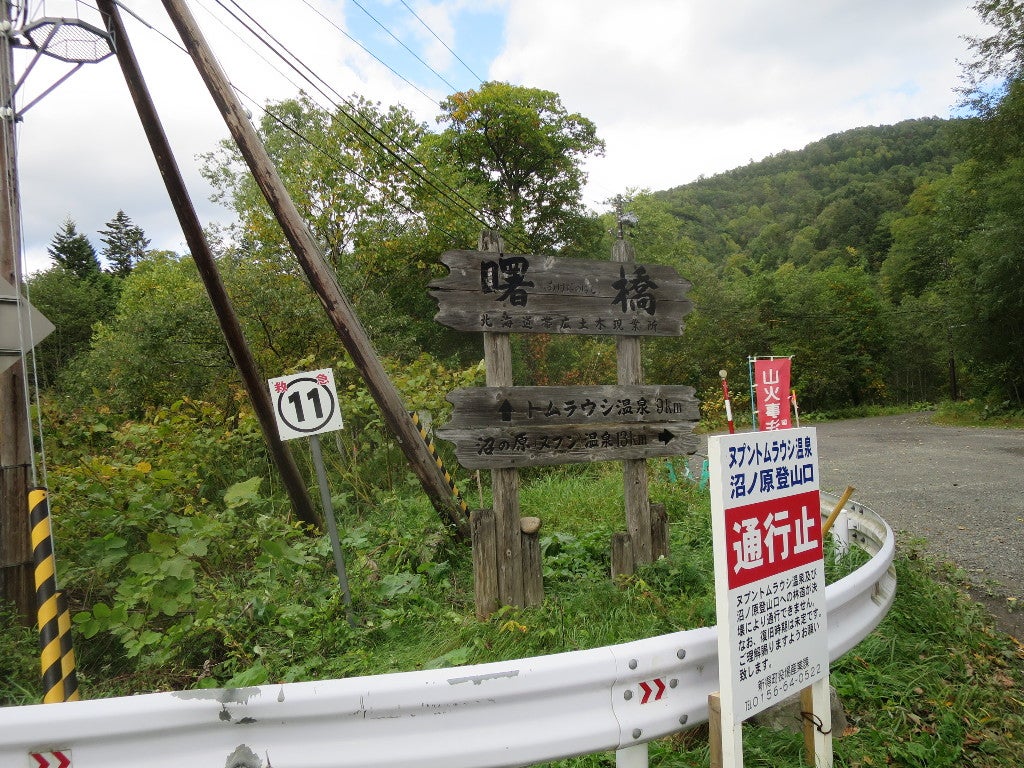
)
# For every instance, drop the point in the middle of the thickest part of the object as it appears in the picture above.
(634, 471)
(817, 716)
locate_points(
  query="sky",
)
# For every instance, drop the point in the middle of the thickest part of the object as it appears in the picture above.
(678, 89)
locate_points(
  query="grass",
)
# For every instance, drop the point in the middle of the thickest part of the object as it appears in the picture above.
(934, 685)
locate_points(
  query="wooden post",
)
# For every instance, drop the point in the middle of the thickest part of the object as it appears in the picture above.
(634, 471)
(485, 562)
(254, 382)
(505, 481)
(622, 555)
(807, 705)
(533, 575)
(659, 531)
(715, 729)
(347, 324)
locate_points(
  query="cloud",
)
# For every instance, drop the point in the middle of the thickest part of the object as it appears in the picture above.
(676, 89)
(683, 89)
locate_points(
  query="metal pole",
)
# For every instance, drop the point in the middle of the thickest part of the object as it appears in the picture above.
(16, 577)
(350, 330)
(728, 404)
(332, 525)
(254, 383)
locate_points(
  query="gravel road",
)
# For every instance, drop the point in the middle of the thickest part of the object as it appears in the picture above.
(960, 489)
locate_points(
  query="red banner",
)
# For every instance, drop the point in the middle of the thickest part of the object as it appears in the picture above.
(771, 385)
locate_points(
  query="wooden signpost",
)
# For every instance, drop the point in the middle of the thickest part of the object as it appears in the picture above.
(522, 293)
(542, 426)
(502, 427)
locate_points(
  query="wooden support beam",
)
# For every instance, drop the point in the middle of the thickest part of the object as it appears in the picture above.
(254, 382)
(323, 280)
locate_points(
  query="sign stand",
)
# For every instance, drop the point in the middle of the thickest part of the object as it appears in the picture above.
(332, 525)
(306, 405)
(769, 583)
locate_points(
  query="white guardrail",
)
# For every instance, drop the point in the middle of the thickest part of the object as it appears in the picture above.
(506, 713)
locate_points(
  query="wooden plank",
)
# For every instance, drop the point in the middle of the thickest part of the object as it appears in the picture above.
(581, 317)
(485, 562)
(522, 293)
(659, 531)
(494, 447)
(598, 404)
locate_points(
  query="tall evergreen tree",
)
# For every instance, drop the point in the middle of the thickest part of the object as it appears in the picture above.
(73, 251)
(126, 244)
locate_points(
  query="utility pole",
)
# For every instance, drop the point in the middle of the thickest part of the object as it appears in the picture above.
(16, 570)
(340, 312)
(254, 383)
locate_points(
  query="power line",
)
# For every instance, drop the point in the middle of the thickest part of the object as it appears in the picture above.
(442, 42)
(410, 50)
(380, 61)
(455, 198)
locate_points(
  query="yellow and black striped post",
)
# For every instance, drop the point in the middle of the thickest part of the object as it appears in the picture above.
(456, 494)
(57, 656)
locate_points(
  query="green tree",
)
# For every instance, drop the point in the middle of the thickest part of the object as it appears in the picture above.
(73, 251)
(380, 214)
(521, 153)
(162, 342)
(74, 306)
(126, 244)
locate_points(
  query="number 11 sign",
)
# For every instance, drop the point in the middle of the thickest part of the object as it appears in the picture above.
(305, 404)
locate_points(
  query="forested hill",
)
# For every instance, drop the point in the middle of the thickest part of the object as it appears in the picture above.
(830, 202)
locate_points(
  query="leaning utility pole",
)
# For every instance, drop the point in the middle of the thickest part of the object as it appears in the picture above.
(342, 315)
(255, 384)
(16, 570)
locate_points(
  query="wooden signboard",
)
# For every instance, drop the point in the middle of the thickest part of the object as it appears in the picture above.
(496, 427)
(522, 293)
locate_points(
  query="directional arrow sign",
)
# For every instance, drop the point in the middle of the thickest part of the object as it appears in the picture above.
(17, 336)
(52, 759)
(646, 688)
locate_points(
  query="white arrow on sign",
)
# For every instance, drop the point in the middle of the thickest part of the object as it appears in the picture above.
(52, 759)
(33, 326)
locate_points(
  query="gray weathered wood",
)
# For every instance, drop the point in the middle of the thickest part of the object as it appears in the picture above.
(555, 295)
(485, 562)
(495, 447)
(547, 406)
(634, 471)
(622, 555)
(533, 576)
(504, 479)
(659, 531)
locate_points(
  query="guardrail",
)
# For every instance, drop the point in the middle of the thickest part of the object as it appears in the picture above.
(498, 714)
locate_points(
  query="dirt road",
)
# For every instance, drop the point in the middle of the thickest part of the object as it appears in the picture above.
(959, 489)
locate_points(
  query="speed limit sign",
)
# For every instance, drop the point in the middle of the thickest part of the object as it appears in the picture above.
(305, 404)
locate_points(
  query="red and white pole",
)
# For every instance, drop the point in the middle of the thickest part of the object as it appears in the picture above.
(728, 405)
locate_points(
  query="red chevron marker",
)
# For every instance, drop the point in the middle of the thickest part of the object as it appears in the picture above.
(52, 759)
(648, 690)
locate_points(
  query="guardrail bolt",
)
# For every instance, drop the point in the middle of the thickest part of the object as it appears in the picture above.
(683, 719)
(632, 663)
(681, 653)
(637, 733)
(627, 695)
(673, 683)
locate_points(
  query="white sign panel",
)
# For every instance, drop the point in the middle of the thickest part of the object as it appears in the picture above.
(305, 404)
(769, 571)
